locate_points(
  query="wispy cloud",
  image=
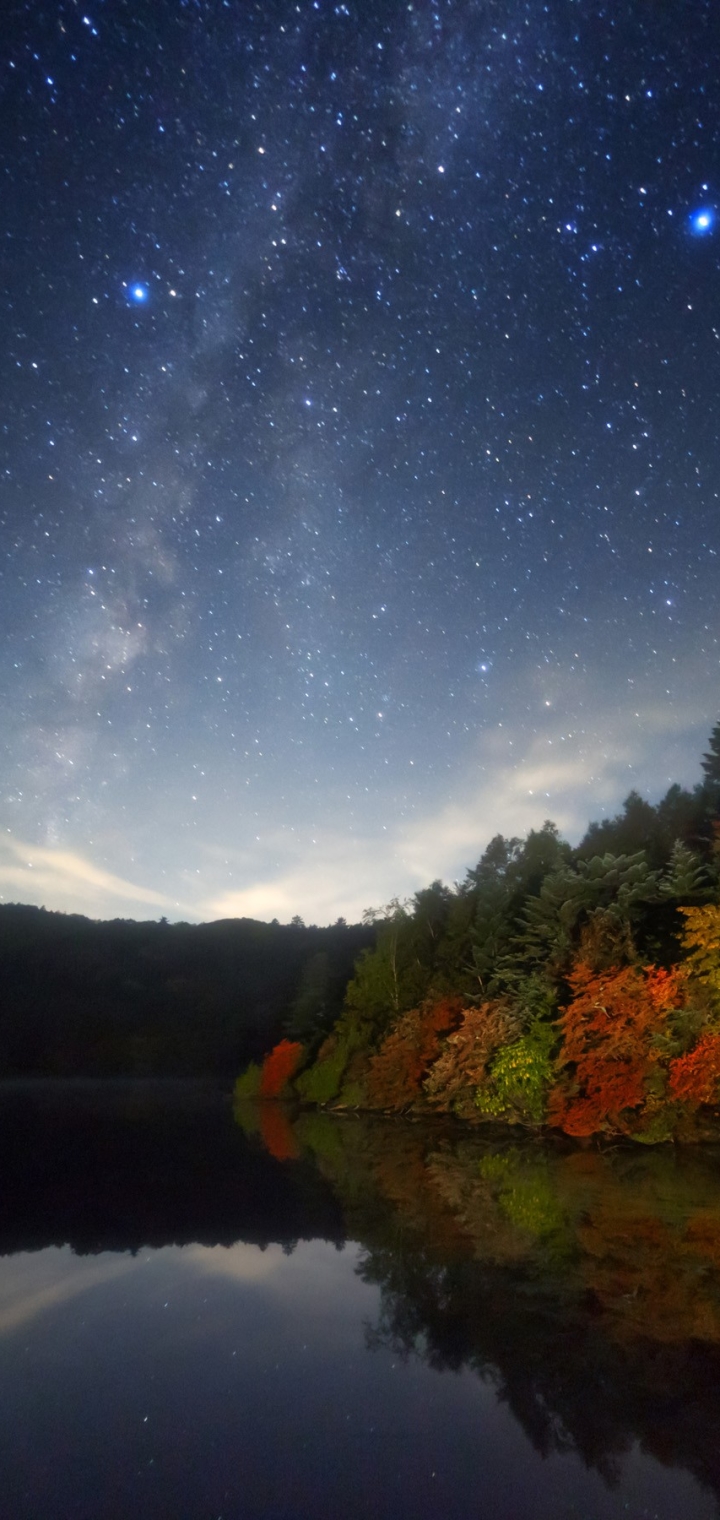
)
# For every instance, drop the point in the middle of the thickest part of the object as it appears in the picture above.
(35, 1285)
(330, 866)
(62, 879)
(515, 784)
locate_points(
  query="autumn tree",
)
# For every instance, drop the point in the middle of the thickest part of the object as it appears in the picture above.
(701, 942)
(615, 1035)
(694, 1078)
(398, 1067)
(462, 1064)
(279, 1068)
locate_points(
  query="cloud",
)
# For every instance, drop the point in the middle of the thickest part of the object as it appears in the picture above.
(241, 1262)
(60, 878)
(34, 1286)
(511, 782)
(571, 775)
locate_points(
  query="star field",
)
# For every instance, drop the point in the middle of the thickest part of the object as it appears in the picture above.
(360, 488)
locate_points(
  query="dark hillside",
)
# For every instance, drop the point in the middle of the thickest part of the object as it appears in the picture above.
(85, 997)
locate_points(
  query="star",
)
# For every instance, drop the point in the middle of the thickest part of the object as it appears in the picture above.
(702, 222)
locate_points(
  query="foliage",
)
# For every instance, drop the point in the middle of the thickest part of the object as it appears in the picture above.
(376, 992)
(551, 983)
(518, 1080)
(616, 1031)
(312, 1005)
(463, 1062)
(321, 1083)
(247, 1085)
(279, 1067)
(701, 941)
(611, 889)
(685, 876)
(124, 998)
(695, 1077)
(354, 1092)
(398, 1067)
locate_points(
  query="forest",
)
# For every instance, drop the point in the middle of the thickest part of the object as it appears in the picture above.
(576, 989)
(84, 998)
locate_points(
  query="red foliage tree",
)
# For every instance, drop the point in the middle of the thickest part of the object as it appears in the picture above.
(397, 1069)
(695, 1078)
(279, 1067)
(612, 1044)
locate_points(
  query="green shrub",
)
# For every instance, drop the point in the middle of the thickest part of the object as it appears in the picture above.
(321, 1083)
(518, 1080)
(247, 1085)
(354, 1095)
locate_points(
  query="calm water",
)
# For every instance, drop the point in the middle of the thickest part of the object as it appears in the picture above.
(242, 1315)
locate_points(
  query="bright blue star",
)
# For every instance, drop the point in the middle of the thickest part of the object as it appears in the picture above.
(138, 294)
(702, 222)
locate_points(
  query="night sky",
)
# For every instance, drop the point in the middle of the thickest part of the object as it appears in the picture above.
(361, 439)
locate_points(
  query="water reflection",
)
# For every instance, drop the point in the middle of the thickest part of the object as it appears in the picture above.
(584, 1286)
(303, 1316)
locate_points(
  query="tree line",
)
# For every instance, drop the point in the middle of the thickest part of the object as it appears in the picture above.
(120, 998)
(572, 987)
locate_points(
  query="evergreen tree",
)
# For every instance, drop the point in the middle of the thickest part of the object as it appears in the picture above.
(711, 765)
(685, 878)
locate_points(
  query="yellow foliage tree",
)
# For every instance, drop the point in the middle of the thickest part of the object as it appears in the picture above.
(701, 941)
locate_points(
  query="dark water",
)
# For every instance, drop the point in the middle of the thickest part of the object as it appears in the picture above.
(213, 1315)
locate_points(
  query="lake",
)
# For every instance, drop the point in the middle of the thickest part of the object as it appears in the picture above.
(208, 1311)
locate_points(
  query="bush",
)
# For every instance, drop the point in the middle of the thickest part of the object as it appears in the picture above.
(397, 1069)
(518, 1081)
(247, 1085)
(462, 1066)
(617, 1033)
(279, 1068)
(321, 1082)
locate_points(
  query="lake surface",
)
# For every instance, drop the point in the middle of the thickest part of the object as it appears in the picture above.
(209, 1313)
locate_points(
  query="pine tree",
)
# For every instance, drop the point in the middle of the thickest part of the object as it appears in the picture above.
(685, 877)
(711, 762)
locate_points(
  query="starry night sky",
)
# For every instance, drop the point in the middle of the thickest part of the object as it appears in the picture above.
(361, 439)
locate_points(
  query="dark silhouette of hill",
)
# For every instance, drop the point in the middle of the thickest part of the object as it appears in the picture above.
(82, 997)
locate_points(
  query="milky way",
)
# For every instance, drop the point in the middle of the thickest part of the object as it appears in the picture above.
(360, 392)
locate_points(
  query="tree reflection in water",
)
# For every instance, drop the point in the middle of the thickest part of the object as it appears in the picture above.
(584, 1285)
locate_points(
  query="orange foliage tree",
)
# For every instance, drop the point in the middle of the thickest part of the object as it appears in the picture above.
(279, 1067)
(398, 1067)
(695, 1077)
(613, 1048)
(462, 1065)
